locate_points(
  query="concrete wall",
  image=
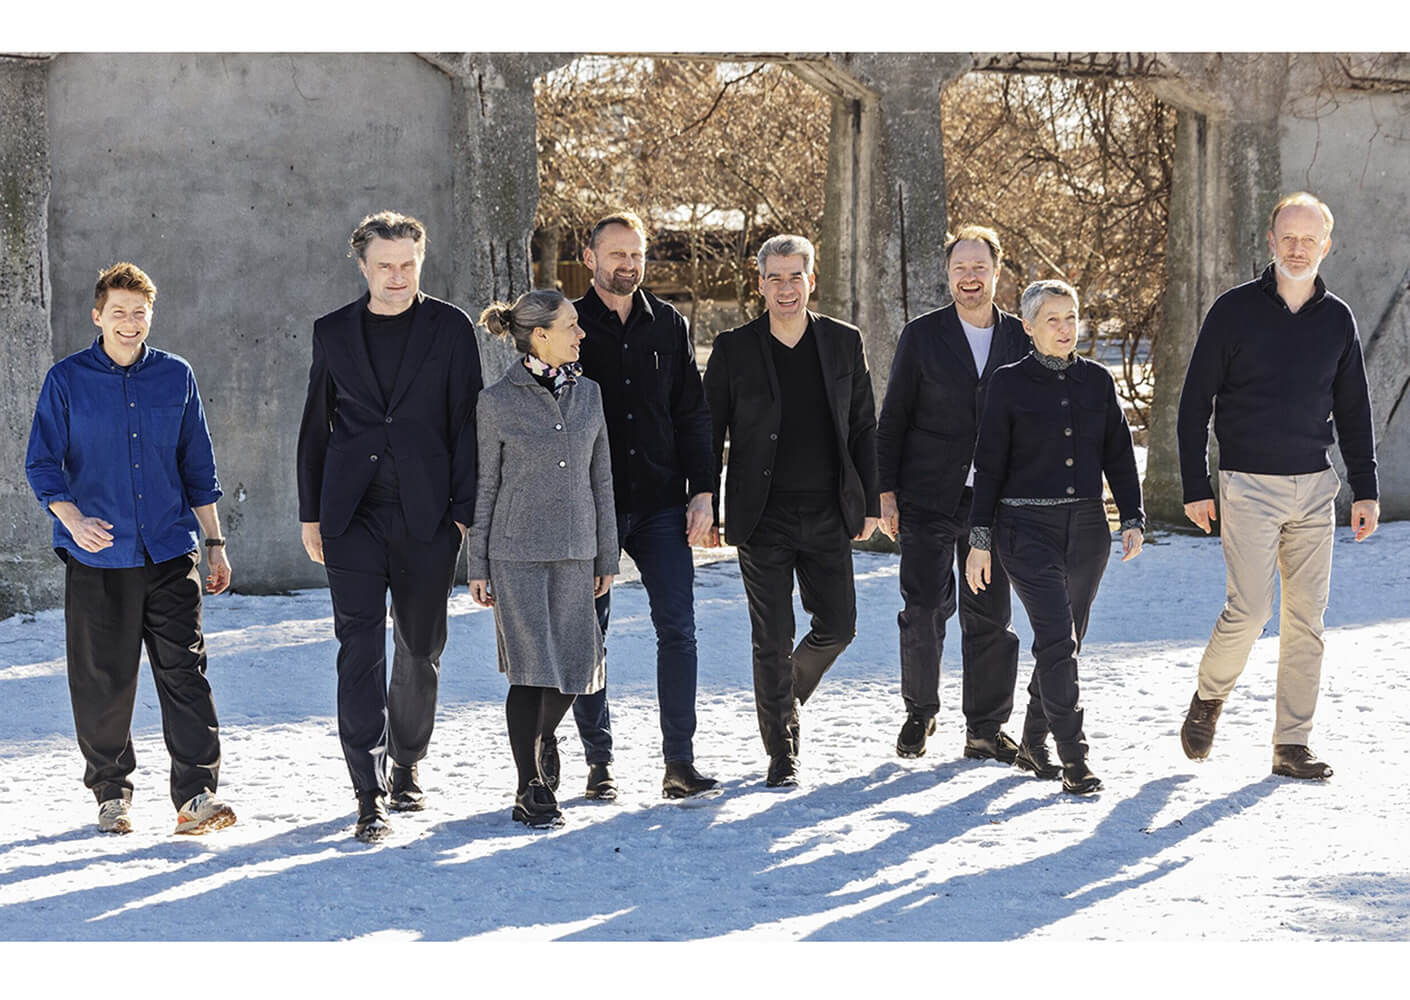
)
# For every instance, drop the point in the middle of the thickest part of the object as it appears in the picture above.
(234, 180)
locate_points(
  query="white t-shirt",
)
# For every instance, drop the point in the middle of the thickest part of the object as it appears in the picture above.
(980, 338)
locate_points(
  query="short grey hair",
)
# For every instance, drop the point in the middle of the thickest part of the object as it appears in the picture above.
(788, 246)
(386, 225)
(1032, 298)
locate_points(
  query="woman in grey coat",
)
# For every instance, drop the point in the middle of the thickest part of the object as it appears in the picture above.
(543, 544)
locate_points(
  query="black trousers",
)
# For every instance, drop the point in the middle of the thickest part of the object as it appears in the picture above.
(109, 614)
(374, 555)
(1055, 557)
(808, 540)
(932, 545)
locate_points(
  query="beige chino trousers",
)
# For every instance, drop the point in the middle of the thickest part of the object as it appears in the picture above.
(1271, 527)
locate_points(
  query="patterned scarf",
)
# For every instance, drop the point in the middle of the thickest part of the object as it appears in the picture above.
(1054, 364)
(563, 376)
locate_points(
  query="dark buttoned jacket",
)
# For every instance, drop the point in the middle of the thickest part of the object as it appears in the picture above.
(741, 387)
(930, 416)
(1052, 435)
(428, 422)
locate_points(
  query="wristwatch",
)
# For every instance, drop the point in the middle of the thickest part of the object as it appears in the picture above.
(215, 543)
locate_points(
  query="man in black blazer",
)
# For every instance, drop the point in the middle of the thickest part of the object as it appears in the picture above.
(925, 451)
(387, 457)
(793, 392)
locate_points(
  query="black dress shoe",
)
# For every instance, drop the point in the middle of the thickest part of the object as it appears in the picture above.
(1039, 760)
(683, 781)
(911, 742)
(406, 794)
(1000, 747)
(1293, 760)
(1078, 778)
(600, 783)
(536, 807)
(372, 818)
(1197, 734)
(783, 771)
(550, 766)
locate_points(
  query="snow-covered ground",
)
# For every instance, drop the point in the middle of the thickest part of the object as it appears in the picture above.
(871, 847)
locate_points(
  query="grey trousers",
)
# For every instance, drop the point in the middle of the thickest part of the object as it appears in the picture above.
(1272, 527)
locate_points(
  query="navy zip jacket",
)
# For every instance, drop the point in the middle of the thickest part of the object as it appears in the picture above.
(658, 425)
(129, 445)
(1281, 379)
(1052, 435)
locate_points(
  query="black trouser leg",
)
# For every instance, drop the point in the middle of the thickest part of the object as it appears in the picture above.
(176, 648)
(531, 714)
(1055, 557)
(766, 566)
(829, 595)
(103, 632)
(421, 577)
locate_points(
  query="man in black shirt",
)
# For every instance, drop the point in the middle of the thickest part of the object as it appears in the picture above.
(638, 350)
(924, 455)
(793, 393)
(386, 468)
(1281, 356)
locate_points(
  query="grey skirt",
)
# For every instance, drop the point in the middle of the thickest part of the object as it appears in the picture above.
(546, 624)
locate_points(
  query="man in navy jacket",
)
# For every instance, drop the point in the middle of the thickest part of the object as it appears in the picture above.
(1281, 356)
(386, 467)
(925, 451)
(120, 454)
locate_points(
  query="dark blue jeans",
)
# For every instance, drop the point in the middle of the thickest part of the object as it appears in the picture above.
(656, 542)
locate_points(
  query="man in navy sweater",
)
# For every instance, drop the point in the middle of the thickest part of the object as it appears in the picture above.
(1281, 356)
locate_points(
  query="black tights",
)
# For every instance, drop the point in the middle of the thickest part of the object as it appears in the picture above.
(533, 713)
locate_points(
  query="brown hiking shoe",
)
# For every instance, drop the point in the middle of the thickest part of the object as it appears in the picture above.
(1292, 760)
(1197, 734)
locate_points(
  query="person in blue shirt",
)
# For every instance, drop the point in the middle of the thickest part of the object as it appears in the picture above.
(120, 454)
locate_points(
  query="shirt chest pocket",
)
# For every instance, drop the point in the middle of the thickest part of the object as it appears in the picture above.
(163, 425)
(656, 368)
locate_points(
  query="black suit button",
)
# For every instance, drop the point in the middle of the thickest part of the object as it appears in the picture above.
(766, 472)
(389, 420)
(1064, 402)
(1067, 432)
(626, 381)
(372, 457)
(1067, 462)
(773, 437)
(1061, 377)
(1070, 491)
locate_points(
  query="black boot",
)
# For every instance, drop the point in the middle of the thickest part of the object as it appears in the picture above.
(1078, 778)
(1036, 758)
(683, 781)
(550, 766)
(1000, 747)
(405, 788)
(372, 817)
(600, 783)
(783, 771)
(536, 807)
(1293, 760)
(911, 742)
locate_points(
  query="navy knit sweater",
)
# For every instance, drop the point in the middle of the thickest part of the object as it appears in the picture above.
(1281, 380)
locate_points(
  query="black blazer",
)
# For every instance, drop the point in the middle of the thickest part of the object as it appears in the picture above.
(930, 417)
(429, 422)
(741, 387)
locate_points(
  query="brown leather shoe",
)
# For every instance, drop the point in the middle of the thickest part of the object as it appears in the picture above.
(1197, 734)
(1292, 760)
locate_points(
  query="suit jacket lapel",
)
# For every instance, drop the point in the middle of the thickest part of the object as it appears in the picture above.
(953, 338)
(827, 345)
(998, 345)
(762, 336)
(418, 344)
(356, 341)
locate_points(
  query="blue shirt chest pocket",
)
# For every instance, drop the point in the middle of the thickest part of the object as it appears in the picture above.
(163, 425)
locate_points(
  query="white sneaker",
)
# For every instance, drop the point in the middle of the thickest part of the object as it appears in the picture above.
(203, 813)
(113, 817)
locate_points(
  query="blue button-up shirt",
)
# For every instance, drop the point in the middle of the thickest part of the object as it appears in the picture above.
(129, 445)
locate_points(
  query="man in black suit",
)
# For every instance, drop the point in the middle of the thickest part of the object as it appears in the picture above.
(387, 459)
(925, 452)
(793, 392)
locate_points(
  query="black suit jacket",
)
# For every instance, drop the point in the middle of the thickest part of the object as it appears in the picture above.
(429, 421)
(930, 417)
(741, 387)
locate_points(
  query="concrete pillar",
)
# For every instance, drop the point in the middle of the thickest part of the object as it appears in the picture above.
(1227, 175)
(30, 576)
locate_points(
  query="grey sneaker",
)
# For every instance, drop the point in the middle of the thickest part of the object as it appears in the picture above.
(113, 817)
(203, 813)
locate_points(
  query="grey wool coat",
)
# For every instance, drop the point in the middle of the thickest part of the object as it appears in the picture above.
(545, 524)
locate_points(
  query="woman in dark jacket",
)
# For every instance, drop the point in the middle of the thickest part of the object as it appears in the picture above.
(543, 543)
(1052, 427)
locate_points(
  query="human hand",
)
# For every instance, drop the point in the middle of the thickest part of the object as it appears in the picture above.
(1201, 512)
(868, 529)
(699, 518)
(92, 534)
(1365, 518)
(977, 569)
(480, 593)
(218, 565)
(890, 515)
(312, 539)
(1132, 540)
(601, 584)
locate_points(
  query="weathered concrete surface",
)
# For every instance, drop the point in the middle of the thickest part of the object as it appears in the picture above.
(234, 180)
(30, 575)
(1353, 151)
